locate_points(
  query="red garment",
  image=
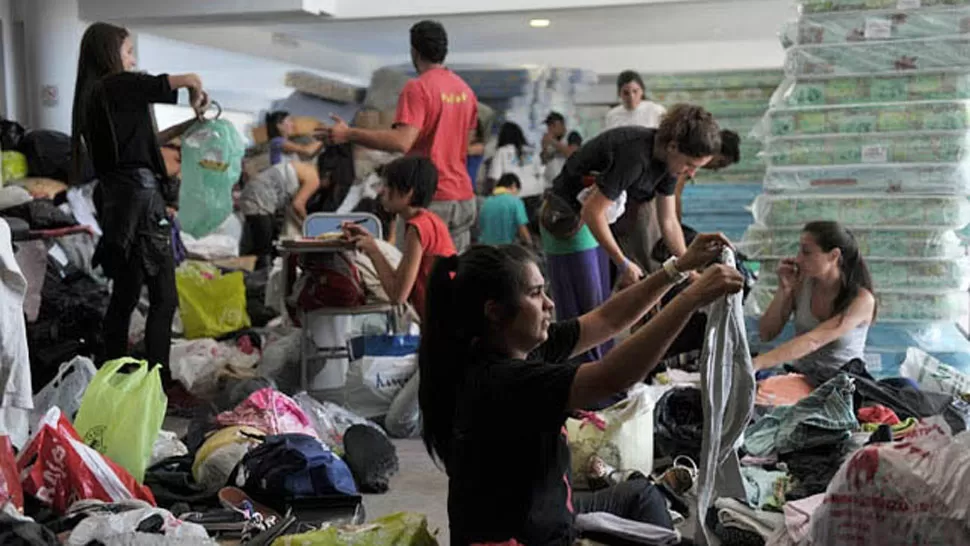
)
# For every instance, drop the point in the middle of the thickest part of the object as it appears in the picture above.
(444, 109)
(878, 414)
(435, 242)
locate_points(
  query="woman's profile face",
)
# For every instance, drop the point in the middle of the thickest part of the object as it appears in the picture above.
(128, 60)
(529, 327)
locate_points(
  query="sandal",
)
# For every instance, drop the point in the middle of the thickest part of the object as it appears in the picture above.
(681, 477)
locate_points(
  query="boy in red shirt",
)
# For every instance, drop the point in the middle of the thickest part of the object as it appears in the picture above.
(409, 184)
(435, 115)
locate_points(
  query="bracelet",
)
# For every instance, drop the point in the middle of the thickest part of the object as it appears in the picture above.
(621, 269)
(675, 276)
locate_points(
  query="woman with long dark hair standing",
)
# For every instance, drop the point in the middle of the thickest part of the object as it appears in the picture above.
(499, 376)
(828, 289)
(114, 128)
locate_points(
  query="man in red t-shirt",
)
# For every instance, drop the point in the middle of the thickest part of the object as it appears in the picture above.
(435, 114)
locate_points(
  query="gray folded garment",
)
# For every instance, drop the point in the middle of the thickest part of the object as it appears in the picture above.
(736, 514)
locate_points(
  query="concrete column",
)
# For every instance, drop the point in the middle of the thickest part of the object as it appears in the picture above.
(52, 40)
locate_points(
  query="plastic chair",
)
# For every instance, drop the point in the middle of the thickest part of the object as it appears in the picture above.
(319, 223)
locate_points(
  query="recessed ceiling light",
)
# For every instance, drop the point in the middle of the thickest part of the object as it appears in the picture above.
(539, 23)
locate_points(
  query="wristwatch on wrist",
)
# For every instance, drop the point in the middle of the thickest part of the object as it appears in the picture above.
(670, 268)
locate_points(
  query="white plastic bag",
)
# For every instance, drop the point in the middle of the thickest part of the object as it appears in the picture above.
(621, 435)
(167, 445)
(901, 493)
(198, 364)
(933, 375)
(66, 389)
(119, 530)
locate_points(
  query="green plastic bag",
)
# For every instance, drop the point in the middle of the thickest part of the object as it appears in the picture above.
(14, 165)
(211, 304)
(121, 413)
(400, 529)
(212, 153)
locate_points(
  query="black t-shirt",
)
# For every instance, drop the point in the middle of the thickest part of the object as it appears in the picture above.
(509, 465)
(121, 133)
(623, 157)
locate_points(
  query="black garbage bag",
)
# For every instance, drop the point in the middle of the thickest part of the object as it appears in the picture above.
(11, 134)
(49, 155)
(41, 214)
(70, 320)
(679, 423)
(25, 533)
(259, 313)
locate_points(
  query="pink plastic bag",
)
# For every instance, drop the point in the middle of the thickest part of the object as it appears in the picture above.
(58, 469)
(271, 412)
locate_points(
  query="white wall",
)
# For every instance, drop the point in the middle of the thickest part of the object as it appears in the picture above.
(52, 37)
(240, 82)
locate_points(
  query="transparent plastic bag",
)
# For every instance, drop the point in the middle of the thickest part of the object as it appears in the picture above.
(853, 149)
(887, 24)
(761, 242)
(863, 211)
(904, 7)
(67, 388)
(846, 90)
(212, 154)
(331, 420)
(904, 305)
(865, 118)
(919, 274)
(878, 57)
(939, 178)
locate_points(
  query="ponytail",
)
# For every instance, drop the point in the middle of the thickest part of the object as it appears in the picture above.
(441, 356)
(455, 326)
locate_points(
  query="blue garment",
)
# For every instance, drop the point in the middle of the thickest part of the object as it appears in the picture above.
(822, 418)
(500, 219)
(276, 150)
(474, 163)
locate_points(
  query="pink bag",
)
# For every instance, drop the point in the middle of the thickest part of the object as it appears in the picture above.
(271, 412)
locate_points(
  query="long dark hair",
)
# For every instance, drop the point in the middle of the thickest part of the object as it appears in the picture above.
(273, 120)
(511, 133)
(855, 273)
(100, 56)
(455, 326)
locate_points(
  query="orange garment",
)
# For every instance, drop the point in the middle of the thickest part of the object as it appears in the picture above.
(782, 390)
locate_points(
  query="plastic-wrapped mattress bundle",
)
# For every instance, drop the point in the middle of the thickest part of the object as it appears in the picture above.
(871, 128)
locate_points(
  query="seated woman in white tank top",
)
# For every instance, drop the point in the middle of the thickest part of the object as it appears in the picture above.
(828, 289)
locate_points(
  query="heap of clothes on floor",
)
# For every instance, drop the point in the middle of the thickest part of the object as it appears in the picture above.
(831, 455)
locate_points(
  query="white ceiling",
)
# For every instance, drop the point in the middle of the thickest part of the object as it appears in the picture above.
(646, 24)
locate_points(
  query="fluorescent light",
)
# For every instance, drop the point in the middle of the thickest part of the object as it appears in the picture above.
(539, 23)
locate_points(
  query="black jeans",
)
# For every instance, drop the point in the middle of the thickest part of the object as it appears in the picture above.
(636, 500)
(163, 302)
(259, 232)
